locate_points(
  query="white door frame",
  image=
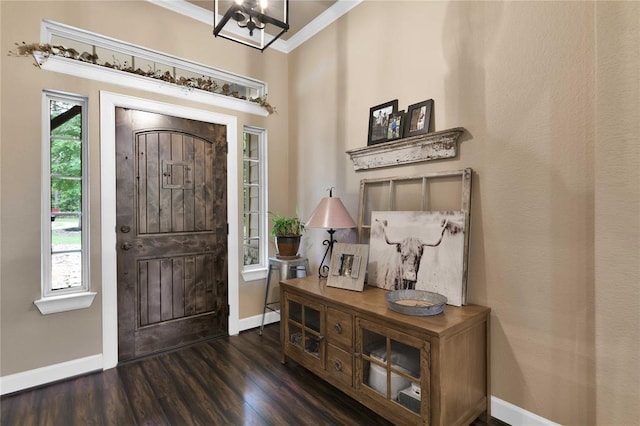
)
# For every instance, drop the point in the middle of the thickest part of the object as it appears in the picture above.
(108, 102)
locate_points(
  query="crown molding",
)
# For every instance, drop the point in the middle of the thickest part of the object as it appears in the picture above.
(321, 21)
(339, 8)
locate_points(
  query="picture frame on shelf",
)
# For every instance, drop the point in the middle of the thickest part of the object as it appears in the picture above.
(348, 266)
(418, 118)
(395, 127)
(379, 120)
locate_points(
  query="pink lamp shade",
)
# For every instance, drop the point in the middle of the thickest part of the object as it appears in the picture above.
(330, 213)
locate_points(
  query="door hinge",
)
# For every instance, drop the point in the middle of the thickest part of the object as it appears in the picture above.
(228, 309)
(227, 228)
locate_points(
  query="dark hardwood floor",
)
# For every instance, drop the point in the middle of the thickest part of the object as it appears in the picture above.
(227, 381)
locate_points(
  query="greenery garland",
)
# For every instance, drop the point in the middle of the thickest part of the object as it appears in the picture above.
(201, 83)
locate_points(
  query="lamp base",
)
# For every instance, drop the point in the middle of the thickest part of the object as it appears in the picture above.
(323, 270)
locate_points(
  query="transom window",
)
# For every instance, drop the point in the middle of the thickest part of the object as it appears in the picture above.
(95, 48)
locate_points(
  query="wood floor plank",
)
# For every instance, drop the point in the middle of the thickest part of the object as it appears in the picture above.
(85, 408)
(235, 380)
(20, 409)
(237, 372)
(116, 408)
(54, 404)
(147, 409)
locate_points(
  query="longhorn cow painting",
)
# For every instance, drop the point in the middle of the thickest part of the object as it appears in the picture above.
(418, 250)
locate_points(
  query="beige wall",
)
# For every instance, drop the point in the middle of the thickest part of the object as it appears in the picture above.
(617, 213)
(549, 95)
(30, 340)
(521, 77)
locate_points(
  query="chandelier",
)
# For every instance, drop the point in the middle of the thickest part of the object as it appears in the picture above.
(254, 23)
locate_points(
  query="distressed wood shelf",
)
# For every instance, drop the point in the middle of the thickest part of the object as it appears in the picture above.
(415, 149)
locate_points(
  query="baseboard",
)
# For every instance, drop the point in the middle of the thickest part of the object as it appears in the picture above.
(255, 321)
(51, 373)
(514, 415)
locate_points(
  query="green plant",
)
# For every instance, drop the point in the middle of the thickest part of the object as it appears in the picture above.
(285, 226)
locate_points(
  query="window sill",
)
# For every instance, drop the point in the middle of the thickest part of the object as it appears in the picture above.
(254, 274)
(67, 302)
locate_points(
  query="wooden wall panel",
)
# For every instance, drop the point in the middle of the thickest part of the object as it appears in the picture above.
(153, 286)
(189, 198)
(177, 178)
(176, 287)
(199, 187)
(175, 184)
(143, 293)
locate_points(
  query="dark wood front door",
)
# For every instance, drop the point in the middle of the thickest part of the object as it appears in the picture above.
(171, 206)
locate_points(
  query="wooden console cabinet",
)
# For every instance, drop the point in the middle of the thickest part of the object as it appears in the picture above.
(411, 370)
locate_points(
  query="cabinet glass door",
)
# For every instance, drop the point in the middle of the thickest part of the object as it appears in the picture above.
(304, 327)
(392, 366)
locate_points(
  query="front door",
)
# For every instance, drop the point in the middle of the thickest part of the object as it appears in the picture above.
(171, 208)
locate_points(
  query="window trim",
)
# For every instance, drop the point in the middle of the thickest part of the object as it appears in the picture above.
(78, 297)
(259, 271)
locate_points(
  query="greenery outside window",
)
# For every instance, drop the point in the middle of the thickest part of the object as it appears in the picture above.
(254, 179)
(65, 239)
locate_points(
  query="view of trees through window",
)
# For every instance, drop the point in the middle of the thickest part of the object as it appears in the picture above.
(66, 193)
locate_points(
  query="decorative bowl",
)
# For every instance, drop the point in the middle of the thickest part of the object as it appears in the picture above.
(416, 302)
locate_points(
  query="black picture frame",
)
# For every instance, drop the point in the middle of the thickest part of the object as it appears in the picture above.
(395, 126)
(418, 118)
(378, 121)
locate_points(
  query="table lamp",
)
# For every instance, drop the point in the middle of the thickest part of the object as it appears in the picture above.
(332, 214)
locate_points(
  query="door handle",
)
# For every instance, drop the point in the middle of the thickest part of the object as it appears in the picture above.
(126, 246)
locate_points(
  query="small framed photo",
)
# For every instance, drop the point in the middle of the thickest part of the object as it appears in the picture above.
(379, 121)
(395, 126)
(418, 118)
(348, 266)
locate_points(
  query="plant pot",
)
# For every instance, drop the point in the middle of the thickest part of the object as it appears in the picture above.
(287, 247)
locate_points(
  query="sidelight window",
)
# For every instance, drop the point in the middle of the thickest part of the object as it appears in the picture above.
(254, 177)
(65, 239)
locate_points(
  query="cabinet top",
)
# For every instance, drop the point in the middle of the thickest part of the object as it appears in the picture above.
(372, 302)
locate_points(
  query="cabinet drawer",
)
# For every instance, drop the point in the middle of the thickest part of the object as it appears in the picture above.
(339, 327)
(340, 365)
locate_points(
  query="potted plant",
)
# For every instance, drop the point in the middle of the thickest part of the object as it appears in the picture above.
(287, 232)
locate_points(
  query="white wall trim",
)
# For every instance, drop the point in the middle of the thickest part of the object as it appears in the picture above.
(50, 373)
(339, 8)
(254, 274)
(255, 321)
(322, 21)
(514, 415)
(108, 102)
(65, 302)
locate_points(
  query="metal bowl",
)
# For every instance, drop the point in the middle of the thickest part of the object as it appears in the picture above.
(416, 302)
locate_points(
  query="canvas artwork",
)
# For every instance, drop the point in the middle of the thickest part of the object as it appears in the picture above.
(419, 250)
